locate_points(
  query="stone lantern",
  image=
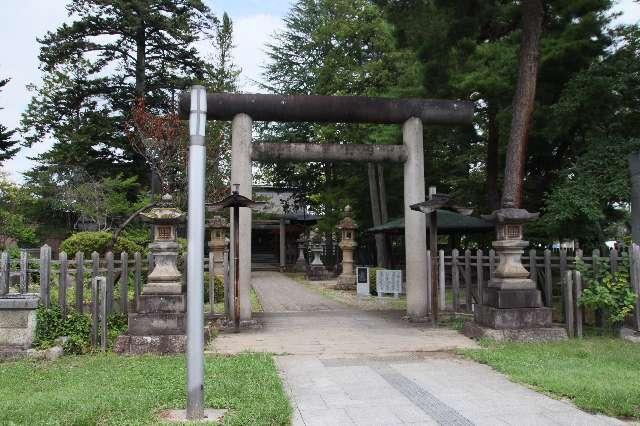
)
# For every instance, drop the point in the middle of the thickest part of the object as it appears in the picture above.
(158, 325)
(347, 226)
(317, 270)
(512, 305)
(301, 263)
(219, 227)
(165, 277)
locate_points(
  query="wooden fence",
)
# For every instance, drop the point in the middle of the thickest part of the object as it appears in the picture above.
(67, 281)
(463, 276)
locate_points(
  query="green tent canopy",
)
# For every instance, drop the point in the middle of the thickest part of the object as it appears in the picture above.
(448, 222)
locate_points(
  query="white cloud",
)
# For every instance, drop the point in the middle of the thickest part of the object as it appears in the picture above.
(252, 33)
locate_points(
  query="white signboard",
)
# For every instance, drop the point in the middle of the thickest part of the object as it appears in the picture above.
(389, 281)
(362, 280)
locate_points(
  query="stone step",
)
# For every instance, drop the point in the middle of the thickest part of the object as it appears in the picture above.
(156, 323)
(153, 303)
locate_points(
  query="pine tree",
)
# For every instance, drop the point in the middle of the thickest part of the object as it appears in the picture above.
(7, 144)
(99, 64)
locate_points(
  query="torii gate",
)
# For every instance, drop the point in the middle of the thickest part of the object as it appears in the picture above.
(242, 110)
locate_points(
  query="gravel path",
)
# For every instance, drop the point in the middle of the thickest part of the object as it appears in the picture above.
(279, 293)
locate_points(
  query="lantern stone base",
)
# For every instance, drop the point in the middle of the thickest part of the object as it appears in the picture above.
(318, 273)
(508, 299)
(540, 334)
(158, 345)
(512, 318)
(17, 324)
(346, 282)
(158, 326)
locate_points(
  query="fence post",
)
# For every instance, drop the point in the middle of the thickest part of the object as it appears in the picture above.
(577, 283)
(45, 265)
(4, 267)
(595, 262)
(24, 271)
(492, 263)
(226, 282)
(613, 260)
(441, 281)
(467, 279)
(137, 259)
(455, 280)
(94, 310)
(548, 279)
(79, 281)
(109, 260)
(568, 303)
(212, 281)
(105, 301)
(124, 282)
(635, 282)
(533, 267)
(62, 283)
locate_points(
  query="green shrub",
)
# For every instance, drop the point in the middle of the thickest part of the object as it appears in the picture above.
(88, 242)
(77, 327)
(51, 324)
(608, 291)
(117, 324)
(218, 288)
(373, 281)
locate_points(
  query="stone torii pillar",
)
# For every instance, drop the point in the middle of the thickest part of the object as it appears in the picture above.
(415, 223)
(241, 175)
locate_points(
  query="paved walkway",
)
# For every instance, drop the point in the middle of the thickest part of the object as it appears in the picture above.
(342, 366)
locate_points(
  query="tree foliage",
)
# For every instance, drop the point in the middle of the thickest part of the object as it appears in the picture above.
(333, 47)
(7, 143)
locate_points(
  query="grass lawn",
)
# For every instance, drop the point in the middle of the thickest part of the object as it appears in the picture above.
(110, 389)
(598, 374)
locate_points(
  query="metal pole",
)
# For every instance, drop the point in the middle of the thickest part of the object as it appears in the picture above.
(236, 267)
(433, 246)
(195, 253)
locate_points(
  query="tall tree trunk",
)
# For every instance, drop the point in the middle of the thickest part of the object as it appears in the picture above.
(375, 212)
(493, 140)
(141, 59)
(384, 215)
(532, 14)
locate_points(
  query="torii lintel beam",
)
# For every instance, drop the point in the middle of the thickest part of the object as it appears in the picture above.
(273, 151)
(332, 109)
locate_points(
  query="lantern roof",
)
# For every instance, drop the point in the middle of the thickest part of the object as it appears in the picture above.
(347, 222)
(164, 213)
(233, 200)
(510, 214)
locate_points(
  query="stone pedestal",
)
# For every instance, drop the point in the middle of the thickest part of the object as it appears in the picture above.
(347, 279)
(17, 323)
(511, 306)
(158, 326)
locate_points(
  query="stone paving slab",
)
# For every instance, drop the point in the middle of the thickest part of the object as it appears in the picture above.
(426, 390)
(342, 366)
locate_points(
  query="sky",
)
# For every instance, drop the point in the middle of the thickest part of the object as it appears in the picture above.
(22, 21)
